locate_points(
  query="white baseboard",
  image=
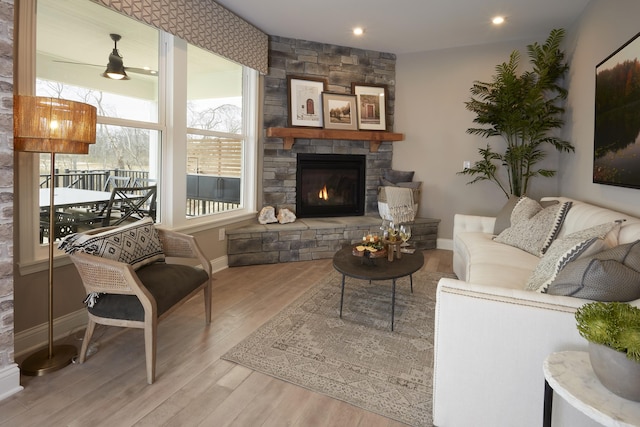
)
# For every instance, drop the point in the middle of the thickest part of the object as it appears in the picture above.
(220, 263)
(446, 244)
(9, 381)
(35, 338)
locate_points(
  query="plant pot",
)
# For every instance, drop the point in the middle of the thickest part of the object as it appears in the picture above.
(615, 371)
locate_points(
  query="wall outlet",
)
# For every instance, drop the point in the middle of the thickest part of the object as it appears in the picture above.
(221, 234)
(466, 164)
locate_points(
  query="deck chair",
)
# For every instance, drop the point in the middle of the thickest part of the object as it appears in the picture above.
(128, 204)
(132, 280)
(116, 181)
(143, 182)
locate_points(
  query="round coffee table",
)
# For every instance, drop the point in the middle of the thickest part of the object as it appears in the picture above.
(377, 269)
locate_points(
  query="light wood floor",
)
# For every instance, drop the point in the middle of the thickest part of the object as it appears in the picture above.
(194, 387)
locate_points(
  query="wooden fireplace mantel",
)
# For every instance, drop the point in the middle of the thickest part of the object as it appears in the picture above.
(375, 137)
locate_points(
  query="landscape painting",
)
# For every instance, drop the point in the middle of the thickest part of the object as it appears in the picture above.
(616, 153)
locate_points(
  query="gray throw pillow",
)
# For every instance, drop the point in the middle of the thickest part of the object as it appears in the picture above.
(611, 275)
(533, 234)
(503, 218)
(395, 176)
(413, 185)
(576, 245)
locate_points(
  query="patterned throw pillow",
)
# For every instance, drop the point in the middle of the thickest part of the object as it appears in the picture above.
(137, 244)
(611, 275)
(532, 227)
(569, 248)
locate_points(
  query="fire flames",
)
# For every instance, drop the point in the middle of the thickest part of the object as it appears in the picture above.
(323, 194)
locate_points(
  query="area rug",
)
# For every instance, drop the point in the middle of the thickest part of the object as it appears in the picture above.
(356, 358)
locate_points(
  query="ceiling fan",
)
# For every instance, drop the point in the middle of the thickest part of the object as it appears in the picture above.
(115, 67)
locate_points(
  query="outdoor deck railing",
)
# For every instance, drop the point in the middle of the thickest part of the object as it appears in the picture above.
(95, 180)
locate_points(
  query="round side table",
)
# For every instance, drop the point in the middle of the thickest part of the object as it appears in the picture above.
(569, 374)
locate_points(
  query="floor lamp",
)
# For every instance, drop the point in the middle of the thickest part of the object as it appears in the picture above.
(51, 125)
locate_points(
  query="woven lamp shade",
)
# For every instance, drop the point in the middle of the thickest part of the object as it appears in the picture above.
(53, 125)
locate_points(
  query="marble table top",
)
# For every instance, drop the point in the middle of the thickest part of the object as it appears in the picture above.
(570, 375)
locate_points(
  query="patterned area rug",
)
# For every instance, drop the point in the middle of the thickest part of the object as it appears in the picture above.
(356, 359)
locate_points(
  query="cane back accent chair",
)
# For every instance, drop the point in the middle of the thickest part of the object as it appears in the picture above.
(135, 294)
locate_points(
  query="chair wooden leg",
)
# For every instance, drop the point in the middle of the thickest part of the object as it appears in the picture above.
(150, 335)
(91, 326)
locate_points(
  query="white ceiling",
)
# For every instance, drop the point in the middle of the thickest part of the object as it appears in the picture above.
(405, 26)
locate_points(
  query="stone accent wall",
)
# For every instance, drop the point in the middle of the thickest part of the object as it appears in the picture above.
(6, 183)
(340, 66)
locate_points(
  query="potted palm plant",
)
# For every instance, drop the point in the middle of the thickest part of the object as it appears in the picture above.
(524, 109)
(613, 332)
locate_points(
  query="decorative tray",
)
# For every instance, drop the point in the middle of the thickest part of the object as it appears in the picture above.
(371, 247)
(368, 252)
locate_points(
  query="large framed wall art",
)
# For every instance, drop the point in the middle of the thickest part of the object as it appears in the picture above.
(616, 150)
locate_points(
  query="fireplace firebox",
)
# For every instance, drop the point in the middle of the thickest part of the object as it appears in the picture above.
(330, 185)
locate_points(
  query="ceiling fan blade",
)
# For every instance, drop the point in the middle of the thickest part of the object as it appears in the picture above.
(77, 63)
(135, 70)
(144, 71)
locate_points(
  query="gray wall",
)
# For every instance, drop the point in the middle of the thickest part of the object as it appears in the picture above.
(430, 94)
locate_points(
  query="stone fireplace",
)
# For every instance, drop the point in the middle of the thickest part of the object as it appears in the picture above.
(316, 235)
(329, 185)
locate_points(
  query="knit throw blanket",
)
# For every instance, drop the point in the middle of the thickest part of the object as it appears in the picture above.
(400, 202)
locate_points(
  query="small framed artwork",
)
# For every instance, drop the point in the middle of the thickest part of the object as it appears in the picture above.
(305, 100)
(372, 105)
(339, 111)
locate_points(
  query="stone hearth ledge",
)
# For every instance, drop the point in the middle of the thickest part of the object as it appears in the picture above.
(309, 239)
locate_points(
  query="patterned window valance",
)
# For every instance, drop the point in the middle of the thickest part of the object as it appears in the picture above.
(203, 23)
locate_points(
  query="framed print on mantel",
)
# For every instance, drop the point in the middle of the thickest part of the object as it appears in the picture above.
(339, 111)
(305, 100)
(372, 105)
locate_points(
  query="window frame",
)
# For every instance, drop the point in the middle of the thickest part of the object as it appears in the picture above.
(32, 256)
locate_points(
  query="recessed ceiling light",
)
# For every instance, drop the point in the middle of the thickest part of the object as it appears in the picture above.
(358, 31)
(497, 20)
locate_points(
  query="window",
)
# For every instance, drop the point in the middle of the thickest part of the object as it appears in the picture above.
(215, 133)
(184, 119)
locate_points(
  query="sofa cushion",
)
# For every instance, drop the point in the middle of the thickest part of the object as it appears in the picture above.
(566, 249)
(137, 244)
(483, 257)
(611, 275)
(168, 283)
(533, 227)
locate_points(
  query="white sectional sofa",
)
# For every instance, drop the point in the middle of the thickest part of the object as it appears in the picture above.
(492, 335)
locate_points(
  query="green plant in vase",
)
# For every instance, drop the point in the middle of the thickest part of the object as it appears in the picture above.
(613, 332)
(613, 324)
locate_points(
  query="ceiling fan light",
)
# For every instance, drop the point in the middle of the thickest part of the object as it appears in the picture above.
(114, 76)
(115, 66)
(115, 72)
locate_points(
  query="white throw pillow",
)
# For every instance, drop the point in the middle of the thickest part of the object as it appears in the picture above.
(532, 227)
